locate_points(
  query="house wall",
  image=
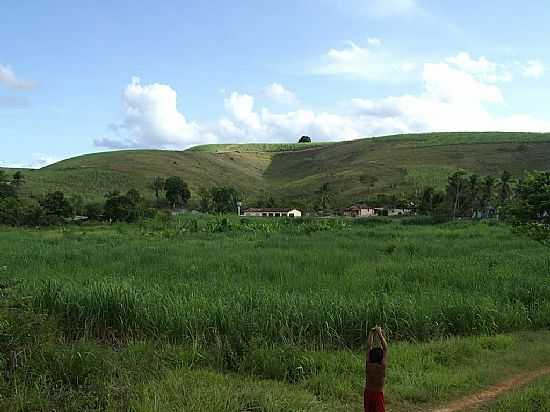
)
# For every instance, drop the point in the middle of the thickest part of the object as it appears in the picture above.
(367, 212)
(294, 213)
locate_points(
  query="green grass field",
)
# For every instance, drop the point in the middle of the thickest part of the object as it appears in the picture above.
(402, 165)
(205, 315)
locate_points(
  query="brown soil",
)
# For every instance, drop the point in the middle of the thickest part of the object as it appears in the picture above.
(489, 394)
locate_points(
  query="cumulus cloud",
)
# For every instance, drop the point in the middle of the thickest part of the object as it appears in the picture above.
(481, 68)
(459, 93)
(246, 124)
(361, 62)
(279, 94)
(374, 41)
(452, 100)
(9, 79)
(152, 119)
(533, 69)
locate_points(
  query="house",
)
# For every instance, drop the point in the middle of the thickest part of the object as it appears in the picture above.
(360, 211)
(398, 211)
(367, 211)
(271, 212)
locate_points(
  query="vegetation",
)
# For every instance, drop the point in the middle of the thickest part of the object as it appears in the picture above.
(122, 317)
(398, 165)
(447, 267)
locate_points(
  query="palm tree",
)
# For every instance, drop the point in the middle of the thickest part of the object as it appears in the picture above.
(505, 191)
(488, 186)
(473, 187)
(455, 188)
(427, 202)
(324, 196)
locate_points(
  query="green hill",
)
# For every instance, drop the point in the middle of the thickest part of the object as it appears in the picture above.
(354, 169)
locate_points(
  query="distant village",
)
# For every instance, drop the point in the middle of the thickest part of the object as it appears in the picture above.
(354, 211)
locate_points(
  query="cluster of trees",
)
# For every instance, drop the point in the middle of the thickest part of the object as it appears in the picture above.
(55, 207)
(50, 209)
(176, 191)
(467, 195)
(218, 199)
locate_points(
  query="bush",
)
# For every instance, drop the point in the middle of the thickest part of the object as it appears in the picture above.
(418, 220)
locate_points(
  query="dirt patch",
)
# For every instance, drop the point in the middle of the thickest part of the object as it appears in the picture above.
(489, 394)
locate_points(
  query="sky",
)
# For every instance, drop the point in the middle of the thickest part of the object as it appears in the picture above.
(88, 76)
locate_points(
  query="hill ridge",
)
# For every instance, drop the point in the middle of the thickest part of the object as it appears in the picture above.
(354, 169)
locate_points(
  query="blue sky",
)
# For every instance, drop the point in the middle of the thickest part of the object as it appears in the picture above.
(77, 77)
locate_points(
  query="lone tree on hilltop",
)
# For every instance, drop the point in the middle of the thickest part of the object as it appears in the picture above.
(305, 139)
(177, 191)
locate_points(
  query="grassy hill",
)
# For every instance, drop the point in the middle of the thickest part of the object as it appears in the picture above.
(354, 169)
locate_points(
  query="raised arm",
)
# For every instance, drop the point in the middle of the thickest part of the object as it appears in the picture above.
(383, 341)
(370, 340)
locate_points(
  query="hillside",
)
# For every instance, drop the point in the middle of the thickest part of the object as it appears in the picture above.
(354, 169)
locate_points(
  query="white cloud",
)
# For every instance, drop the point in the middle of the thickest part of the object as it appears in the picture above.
(390, 8)
(453, 100)
(246, 124)
(374, 41)
(458, 94)
(361, 62)
(152, 119)
(481, 68)
(533, 69)
(9, 79)
(279, 94)
(38, 160)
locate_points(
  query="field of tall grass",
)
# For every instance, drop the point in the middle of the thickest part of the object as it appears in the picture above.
(313, 284)
(264, 315)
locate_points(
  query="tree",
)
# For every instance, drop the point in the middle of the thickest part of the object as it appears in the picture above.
(93, 211)
(224, 199)
(77, 204)
(205, 200)
(158, 186)
(456, 185)
(530, 207)
(177, 191)
(305, 139)
(7, 190)
(134, 196)
(532, 198)
(124, 208)
(324, 194)
(488, 186)
(55, 204)
(505, 189)
(10, 211)
(427, 201)
(473, 193)
(18, 179)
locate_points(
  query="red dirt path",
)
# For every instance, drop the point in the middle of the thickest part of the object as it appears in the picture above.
(491, 393)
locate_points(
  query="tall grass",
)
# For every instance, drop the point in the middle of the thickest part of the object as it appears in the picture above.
(319, 288)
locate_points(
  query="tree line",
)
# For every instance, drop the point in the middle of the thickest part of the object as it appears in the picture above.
(55, 207)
